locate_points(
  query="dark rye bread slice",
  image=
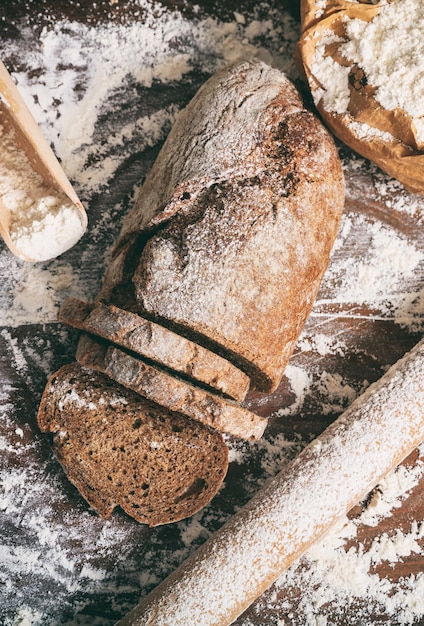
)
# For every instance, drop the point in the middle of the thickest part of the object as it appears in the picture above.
(119, 449)
(156, 343)
(232, 230)
(168, 391)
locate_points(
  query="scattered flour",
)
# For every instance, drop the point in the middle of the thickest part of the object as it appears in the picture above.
(300, 384)
(80, 70)
(322, 344)
(27, 617)
(32, 294)
(73, 81)
(390, 493)
(341, 570)
(389, 261)
(340, 393)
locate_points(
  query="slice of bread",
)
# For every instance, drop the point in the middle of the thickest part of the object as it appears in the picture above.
(169, 391)
(156, 343)
(119, 449)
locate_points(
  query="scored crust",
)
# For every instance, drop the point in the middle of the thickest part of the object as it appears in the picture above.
(169, 391)
(232, 230)
(157, 343)
(226, 246)
(119, 449)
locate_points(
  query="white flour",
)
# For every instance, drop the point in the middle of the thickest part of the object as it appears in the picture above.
(333, 78)
(295, 506)
(389, 261)
(77, 75)
(321, 6)
(35, 291)
(394, 37)
(342, 568)
(74, 78)
(93, 58)
(44, 223)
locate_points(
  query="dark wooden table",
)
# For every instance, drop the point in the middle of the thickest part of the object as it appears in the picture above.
(60, 563)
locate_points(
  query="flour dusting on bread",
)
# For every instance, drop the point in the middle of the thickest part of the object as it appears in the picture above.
(245, 168)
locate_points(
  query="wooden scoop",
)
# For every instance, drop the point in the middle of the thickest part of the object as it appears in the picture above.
(17, 121)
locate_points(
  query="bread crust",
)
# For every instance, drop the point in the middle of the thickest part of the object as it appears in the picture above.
(231, 233)
(170, 392)
(225, 248)
(156, 343)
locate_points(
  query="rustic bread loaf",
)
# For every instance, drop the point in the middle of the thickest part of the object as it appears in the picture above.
(169, 391)
(232, 230)
(156, 343)
(225, 246)
(357, 59)
(121, 450)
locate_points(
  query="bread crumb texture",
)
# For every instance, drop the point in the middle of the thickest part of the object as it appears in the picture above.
(119, 449)
(61, 563)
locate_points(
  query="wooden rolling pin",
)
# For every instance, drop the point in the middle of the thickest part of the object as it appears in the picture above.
(295, 508)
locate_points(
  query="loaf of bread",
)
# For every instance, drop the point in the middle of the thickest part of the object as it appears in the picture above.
(232, 230)
(119, 449)
(296, 507)
(221, 257)
(364, 65)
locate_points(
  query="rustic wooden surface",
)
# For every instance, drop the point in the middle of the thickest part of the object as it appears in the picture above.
(372, 340)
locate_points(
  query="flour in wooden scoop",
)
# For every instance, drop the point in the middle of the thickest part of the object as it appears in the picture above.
(44, 222)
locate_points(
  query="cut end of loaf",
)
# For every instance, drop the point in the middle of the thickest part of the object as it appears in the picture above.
(157, 344)
(118, 449)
